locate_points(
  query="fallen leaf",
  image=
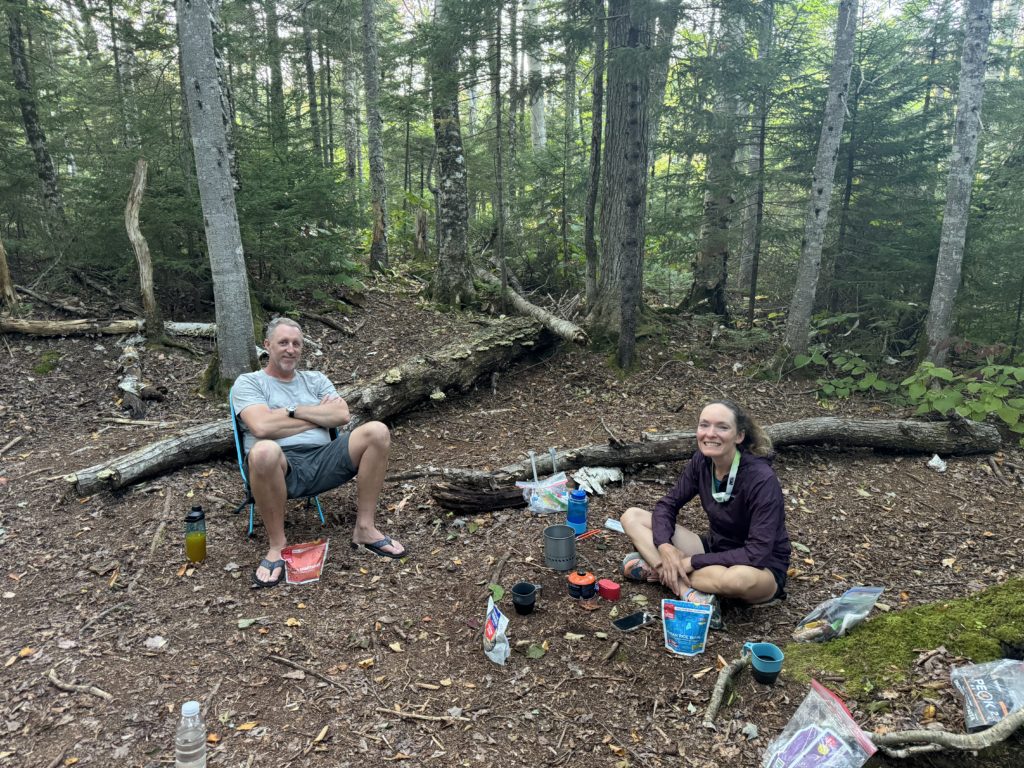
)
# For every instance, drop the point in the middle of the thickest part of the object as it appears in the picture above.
(70, 760)
(365, 663)
(535, 651)
(428, 686)
(497, 591)
(181, 570)
(246, 623)
(293, 622)
(801, 547)
(295, 674)
(26, 651)
(395, 646)
(700, 673)
(947, 562)
(456, 561)
(862, 492)
(928, 713)
(320, 736)
(247, 726)
(446, 682)
(212, 738)
(721, 663)
(573, 636)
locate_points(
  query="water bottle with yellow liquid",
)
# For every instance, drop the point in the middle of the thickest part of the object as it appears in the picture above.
(195, 534)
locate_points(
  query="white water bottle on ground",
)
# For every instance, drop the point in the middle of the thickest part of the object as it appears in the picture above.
(190, 740)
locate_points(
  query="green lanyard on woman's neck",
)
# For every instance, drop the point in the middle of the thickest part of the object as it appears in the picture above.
(723, 496)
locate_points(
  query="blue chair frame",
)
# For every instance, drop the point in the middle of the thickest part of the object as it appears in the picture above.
(240, 456)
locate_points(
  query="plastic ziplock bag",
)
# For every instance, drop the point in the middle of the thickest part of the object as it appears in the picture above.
(835, 617)
(821, 734)
(991, 691)
(495, 640)
(547, 495)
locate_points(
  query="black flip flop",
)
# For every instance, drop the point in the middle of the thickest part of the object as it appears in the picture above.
(258, 583)
(377, 548)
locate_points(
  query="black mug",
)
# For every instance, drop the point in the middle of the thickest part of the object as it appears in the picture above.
(524, 597)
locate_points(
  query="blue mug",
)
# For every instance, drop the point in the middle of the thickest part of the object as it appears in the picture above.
(765, 661)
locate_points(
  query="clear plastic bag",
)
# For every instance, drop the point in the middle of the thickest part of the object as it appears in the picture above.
(835, 617)
(991, 691)
(821, 734)
(546, 496)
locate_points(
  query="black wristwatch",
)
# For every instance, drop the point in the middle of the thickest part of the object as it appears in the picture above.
(291, 411)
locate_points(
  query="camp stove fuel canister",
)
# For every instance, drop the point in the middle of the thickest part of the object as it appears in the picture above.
(582, 585)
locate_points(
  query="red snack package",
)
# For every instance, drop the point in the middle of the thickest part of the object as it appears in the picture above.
(304, 562)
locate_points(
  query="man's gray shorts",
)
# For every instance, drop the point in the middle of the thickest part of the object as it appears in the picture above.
(311, 471)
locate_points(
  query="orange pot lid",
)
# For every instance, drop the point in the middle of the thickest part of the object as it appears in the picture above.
(581, 578)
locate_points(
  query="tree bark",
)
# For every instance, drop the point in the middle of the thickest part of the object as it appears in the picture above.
(561, 328)
(349, 109)
(29, 113)
(314, 112)
(948, 438)
(278, 116)
(710, 263)
(235, 337)
(8, 297)
(141, 249)
(453, 280)
(594, 175)
(103, 327)
(961, 176)
(624, 207)
(374, 140)
(453, 368)
(534, 77)
(816, 219)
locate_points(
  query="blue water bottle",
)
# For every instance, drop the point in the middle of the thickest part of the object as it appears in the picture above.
(577, 514)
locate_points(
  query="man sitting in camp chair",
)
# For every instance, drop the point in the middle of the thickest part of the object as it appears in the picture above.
(287, 415)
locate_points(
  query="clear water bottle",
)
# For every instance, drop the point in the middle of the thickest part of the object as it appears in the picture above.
(576, 517)
(190, 740)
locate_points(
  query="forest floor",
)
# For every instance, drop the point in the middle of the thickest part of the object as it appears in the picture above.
(380, 662)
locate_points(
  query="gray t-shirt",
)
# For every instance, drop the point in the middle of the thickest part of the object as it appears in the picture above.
(306, 388)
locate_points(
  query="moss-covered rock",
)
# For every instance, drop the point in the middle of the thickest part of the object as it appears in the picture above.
(881, 652)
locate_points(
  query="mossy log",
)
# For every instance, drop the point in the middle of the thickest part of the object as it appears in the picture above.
(453, 368)
(947, 438)
(103, 327)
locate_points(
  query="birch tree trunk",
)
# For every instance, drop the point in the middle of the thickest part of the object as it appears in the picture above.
(624, 207)
(710, 263)
(816, 218)
(29, 114)
(236, 342)
(594, 174)
(374, 141)
(314, 112)
(453, 281)
(278, 118)
(966, 131)
(534, 77)
(8, 297)
(151, 310)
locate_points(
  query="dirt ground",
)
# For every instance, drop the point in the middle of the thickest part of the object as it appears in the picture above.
(380, 663)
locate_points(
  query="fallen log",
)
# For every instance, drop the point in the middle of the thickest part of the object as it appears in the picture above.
(558, 326)
(455, 367)
(103, 327)
(947, 438)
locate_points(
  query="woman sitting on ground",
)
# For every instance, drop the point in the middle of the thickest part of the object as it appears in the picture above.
(745, 554)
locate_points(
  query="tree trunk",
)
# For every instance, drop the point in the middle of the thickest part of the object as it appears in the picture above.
(235, 338)
(453, 281)
(927, 437)
(314, 113)
(374, 140)
(624, 207)
(710, 263)
(594, 175)
(499, 160)
(154, 326)
(349, 108)
(798, 322)
(278, 117)
(29, 113)
(833, 276)
(534, 77)
(668, 19)
(8, 298)
(453, 368)
(961, 176)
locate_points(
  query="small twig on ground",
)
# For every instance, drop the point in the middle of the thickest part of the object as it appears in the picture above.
(101, 614)
(496, 573)
(612, 651)
(75, 688)
(429, 718)
(625, 746)
(996, 470)
(56, 761)
(616, 442)
(157, 537)
(727, 673)
(11, 444)
(317, 675)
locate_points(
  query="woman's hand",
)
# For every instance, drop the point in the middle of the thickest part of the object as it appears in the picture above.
(674, 568)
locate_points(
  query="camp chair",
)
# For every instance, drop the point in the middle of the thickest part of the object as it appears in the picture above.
(236, 430)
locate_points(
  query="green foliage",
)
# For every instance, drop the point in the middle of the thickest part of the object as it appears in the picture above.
(991, 390)
(47, 362)
(843, 374)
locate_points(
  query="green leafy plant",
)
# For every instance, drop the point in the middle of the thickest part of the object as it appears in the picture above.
(844, 374)
(991, 390)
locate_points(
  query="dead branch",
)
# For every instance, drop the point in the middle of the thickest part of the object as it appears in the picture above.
(141, 248)
(310, 672)
(611, 651)
(429, 718)
(64, 305)
(725, 676)
(75, 688)
(329, 322)
(11, 443)
(561, 328)
(945, 739)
